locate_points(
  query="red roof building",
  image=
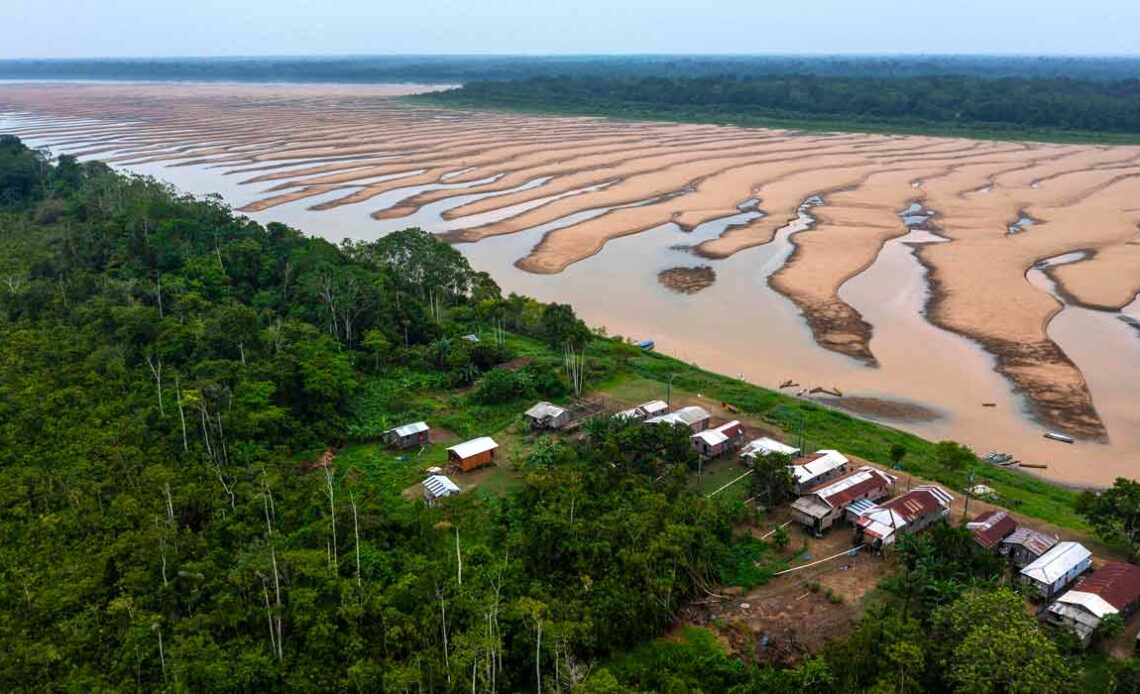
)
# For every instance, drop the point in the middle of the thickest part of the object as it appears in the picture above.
(991, 528)
(1112, 589)
(820, 507)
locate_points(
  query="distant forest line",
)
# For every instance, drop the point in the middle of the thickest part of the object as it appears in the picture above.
(448, 69)
(1047, 108)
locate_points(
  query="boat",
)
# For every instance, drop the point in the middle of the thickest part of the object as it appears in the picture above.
(1058, 436)
(647, 345)
(997, 458)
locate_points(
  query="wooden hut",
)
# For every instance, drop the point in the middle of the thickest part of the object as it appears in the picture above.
(408, 435)
(712, 443)
(1025, 545)
(545, 416)
(472, 454)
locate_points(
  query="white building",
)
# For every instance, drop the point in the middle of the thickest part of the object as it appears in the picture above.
(653, 408)
(694, 417)
(1057, 568)
(766, 446)
(817, 468)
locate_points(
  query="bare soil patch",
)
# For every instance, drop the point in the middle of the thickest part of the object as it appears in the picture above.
(882, 408)
(687, 280)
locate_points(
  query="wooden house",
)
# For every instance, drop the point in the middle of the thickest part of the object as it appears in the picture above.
(472, 454)
(908, 513)
(991, 527)
(1025, 545)
(1057, 568)
(1112, 589)
(644, 411)
(694, 417)
(408, 435)
(820, 507)
(815, 469)
(712, 443)
(544, 416)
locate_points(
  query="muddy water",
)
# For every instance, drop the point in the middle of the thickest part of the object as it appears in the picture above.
(741, 327)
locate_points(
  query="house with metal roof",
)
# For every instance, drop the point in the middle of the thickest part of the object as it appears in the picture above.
(817, 468)
(991, 527)
(1053, 571)
(1112, 589)
(821, 506)
(653, 408)
(544, 416)
(766, 446)
(407, 436)
(694, 417)
(1025, 545)
(472, 454)
(725, 438)
(908, 513)
(437, 487)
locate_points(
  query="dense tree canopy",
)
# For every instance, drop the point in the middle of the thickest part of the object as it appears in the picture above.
(955, 102)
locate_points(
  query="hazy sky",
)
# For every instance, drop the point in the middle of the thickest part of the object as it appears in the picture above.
(110, 28)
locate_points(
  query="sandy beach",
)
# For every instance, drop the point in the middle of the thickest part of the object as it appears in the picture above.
(560, 191)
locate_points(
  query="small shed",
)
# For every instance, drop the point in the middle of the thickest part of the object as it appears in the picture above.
(817, 468)
(908, 513)
(473, 454)
(1112, 589)
(766, 446)
(408, 435)
(653, 408)
(545, 416)
(823, 505)
(711, 443)
(694, 417)
(1057, 568)
(437, 487)
(990, 528)
(1025, 545)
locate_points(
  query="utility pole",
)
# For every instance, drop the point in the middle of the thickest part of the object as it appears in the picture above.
(969, 490)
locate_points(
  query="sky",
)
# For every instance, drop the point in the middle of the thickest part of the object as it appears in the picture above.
(145, 28)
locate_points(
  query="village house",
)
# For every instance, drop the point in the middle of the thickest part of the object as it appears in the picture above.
(909, 513)
(815, 469)
(1025, 545)
(408, 435)
(472, 454)
(766, 446)
(653, 408)
(694, 417)
(1057, 568)
(990, 528)
(1112, 589)
(820, 507)
(711, 443)
(437, 487)
(547, 416)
